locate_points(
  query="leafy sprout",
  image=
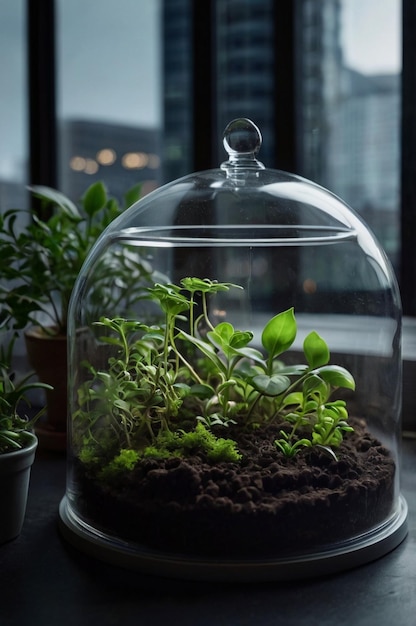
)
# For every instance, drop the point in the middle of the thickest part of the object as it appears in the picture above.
(169, 378)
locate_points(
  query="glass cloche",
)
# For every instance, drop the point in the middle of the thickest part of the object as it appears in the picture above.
(235, 381)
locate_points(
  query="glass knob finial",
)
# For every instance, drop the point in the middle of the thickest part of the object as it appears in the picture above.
(242, 141)
(242, 136)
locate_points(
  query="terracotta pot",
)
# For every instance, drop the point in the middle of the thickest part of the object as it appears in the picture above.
(14, 485)
(47, 355)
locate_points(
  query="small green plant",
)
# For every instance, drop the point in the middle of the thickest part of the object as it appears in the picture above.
(42, 254)
(14, 425)
(171, 387)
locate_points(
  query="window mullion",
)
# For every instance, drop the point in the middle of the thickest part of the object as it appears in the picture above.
(203, 89)
(41, 81)
(408, 161)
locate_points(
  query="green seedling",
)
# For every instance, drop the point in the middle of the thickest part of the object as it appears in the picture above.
(187, 379)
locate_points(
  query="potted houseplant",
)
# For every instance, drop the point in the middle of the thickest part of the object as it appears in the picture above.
(17, 444)
(40, 263)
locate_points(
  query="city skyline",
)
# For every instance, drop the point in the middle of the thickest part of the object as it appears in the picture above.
(78, 50)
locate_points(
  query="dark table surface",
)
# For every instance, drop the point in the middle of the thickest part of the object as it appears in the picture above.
(44, 581)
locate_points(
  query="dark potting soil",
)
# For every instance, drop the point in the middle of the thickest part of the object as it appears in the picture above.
(267, 505)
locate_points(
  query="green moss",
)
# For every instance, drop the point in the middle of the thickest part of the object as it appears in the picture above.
(126, 460)
(88, 455)
(224, 450)
(216, 448)
(154, 452)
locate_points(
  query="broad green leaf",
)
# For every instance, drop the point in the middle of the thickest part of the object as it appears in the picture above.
(221, 337)
(222, 333)
(174, 305)
(248, 353)
(338, 412)
(201, 391)
(241, 338)
(58, 198)
(182, 388)
(279, 333)
(205, 285)
(155, 335)
(310, 406)
(115, 341)
(132, 195)
(292, 370)
(293, 399)
(336, 376)
(270, 385)
(246, 369)
(316, 350)
(313, 384)
(94, 198)
(206, 349)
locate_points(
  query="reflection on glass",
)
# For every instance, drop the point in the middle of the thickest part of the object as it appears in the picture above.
(349, 104)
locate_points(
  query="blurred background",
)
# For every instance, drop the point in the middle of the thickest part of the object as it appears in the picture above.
(142, 90)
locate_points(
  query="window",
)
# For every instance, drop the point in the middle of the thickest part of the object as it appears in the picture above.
(144, 89)
(108, 94)
(348, 81)
(13, 105)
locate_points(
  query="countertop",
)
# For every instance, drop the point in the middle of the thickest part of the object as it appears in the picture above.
(46, 582)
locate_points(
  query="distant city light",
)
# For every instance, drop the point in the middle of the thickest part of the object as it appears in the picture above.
(80, 164)
(91, 166)
(106, 156)
(135, 160)
(77, 163)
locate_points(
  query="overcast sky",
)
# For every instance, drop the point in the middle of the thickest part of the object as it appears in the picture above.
(371, 35)
(109, 62)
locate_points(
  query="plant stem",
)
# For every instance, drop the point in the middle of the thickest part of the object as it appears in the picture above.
(205, 310)
(191, 315)
(182, 358)
(253, 405)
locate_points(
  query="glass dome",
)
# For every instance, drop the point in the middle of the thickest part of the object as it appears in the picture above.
(235, 381)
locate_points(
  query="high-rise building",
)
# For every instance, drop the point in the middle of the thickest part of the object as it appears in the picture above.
(245, 68)
(119, 155)
(318, 83)
(177, 88)
(364, 150)
(348, 123)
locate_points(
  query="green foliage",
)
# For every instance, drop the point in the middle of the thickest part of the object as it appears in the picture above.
(42, 254)
(14, 426)
(190, 371)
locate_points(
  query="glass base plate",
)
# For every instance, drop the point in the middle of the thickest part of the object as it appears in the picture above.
(350, 554)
